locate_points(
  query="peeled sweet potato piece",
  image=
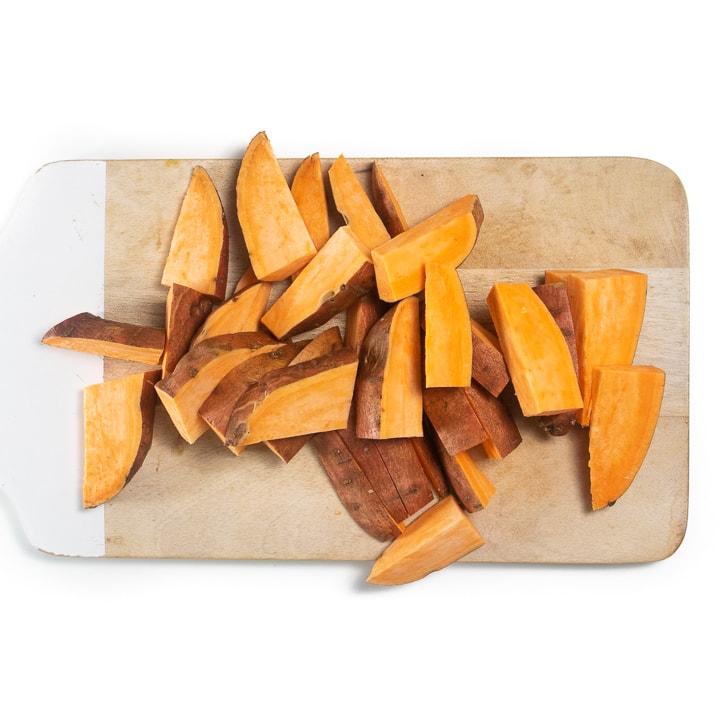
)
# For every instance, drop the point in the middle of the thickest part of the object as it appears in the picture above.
(92, 334)
(537, 356)
(241, 312)
(308, 189)
(337, 275)
(488, 364)
(386, 202)
(353, 203)
(446, 237)
(275, 234)
(199, 251)
(438, 537)
(310, 397)
(389, 385)
(448, 334)
(625, 407)
(118, 427)
(608, 308)
(183, 391)
(353, 488)
(185, 311)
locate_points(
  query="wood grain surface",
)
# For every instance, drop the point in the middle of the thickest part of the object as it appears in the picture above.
(540, 213)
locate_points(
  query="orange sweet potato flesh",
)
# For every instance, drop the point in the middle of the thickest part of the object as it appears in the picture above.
(92, 334)
(199, 250)
(118, 426)
(353, 203)
(386, 203)
(241, 312)
(472, 488)
(555, 298)
(337, 275)
(537, 356)
(448, 333)
(446, 237)
(625, 401)
(608, 308)
(389, 385)
(198, 372)
(310, 397)
(308, 189)
(217, 408)
(441, 535)
(276, 237)
(325, 342)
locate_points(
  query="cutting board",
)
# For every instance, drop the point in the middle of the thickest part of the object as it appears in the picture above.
(92, 236)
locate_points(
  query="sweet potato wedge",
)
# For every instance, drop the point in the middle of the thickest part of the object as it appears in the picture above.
(353, 488)
(488, 364)
(241, 312)
(310, 397)
(386, 203)
(438, 537)
(448, 334)
(472, 488)
(537, 356)
(625, 407)
(337, 275)
(199, 249)
(407, 472)
(446, 237)
(92, 334)
(276, 237)
(185, 311)
(360, 316)
(353, 203)
(503, 433)
(389, 385)
(118, 424)
(183, 391)
(454, 419)
(608, 308)
(556, 300)
(218, 406)
(325, 342)
(308, 189)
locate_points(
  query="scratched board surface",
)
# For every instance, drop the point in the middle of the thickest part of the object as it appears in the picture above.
(540, 213)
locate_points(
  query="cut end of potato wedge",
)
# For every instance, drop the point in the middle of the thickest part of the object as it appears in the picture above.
(440, 536)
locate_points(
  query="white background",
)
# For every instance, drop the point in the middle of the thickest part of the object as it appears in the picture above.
(91, 80)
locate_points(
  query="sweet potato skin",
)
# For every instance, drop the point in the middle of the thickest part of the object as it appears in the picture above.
(90, 333)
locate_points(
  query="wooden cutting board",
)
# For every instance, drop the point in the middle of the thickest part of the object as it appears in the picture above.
(201, 501)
